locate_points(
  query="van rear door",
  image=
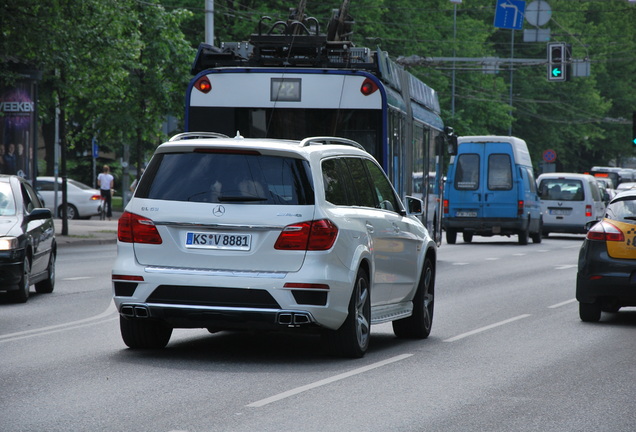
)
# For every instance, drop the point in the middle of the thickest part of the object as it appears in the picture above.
(484, 181)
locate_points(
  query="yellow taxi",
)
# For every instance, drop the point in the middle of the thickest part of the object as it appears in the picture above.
(606, 277)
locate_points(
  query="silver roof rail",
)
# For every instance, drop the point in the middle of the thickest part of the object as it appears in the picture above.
(330, 140)
(191, 135)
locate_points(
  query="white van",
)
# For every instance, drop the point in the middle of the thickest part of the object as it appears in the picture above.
(569, 201)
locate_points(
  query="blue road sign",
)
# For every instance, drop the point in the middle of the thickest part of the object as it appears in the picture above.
(509, 14)
(95, 148)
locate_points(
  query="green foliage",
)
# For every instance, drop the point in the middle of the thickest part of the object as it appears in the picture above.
(117, 67)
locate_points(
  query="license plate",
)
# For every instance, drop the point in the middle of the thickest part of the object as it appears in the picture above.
(560, 212)
(226, 241)
(466, 214)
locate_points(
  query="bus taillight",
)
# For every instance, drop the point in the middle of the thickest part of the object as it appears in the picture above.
(368, 87)
(203, 84)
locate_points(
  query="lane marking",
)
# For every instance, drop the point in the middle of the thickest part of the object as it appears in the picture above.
(483, 329)
(326, 381)
(565, 266)
(78, 278)
(562, 304)
(460, 263)
(492, 259)
(106, 315)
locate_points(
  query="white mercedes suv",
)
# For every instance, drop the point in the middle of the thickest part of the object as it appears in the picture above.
(236, 233)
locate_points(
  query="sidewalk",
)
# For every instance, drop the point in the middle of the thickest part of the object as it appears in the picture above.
(87, 231)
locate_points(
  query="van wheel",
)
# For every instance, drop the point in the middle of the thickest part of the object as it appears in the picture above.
(451, 236)
(523, 236)
(467, 236)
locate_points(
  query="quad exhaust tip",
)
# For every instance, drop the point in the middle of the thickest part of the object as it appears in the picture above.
(135, 311)
(294, 319)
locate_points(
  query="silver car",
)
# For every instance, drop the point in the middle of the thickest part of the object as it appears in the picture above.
(83, 201)
(235, 233)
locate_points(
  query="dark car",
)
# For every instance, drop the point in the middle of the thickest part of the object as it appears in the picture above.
(27, 240)
(606, 277)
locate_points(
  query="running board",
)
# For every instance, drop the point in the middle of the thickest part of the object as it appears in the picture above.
(387, 313)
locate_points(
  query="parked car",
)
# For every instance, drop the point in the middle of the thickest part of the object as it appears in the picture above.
(238, 233)
(569, 201)
(83, 201)
(605, 279)
(27, 241)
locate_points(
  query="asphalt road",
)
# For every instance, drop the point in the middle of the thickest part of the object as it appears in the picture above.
(507, 353)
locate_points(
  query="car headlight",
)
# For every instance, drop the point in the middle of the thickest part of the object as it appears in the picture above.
(8, 243)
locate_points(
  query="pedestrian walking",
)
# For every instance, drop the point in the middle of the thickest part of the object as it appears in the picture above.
(106, 183)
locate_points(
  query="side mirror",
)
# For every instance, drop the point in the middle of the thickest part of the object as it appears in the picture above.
(414, 206)
(451, 139)
(40, 213)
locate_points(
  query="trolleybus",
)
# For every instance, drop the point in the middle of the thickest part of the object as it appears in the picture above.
(291, 82)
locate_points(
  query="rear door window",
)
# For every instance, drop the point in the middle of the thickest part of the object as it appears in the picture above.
(499, 172)
(227, 178)
(562, 190)
(467, 172)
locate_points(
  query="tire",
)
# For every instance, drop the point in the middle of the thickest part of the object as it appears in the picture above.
(22, 294)
(47, 285)
(418, 325)
(71, 212)
(590, 312)
(451, 236)
(144, 333)
(523, 236)
(537, 236)
(467, 237)
(352, 338)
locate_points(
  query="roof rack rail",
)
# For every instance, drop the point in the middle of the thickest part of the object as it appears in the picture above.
(191, 135)
(330, 140)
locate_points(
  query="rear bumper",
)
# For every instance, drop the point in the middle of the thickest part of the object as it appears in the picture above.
(603, 278)
(486, 226)
(219, 318)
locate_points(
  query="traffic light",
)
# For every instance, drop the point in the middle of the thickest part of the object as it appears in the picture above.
(557, 61)
(634, 128)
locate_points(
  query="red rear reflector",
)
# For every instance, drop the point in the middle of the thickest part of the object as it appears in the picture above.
(314, 235)
(588, 211)
(203, 85)
(133, 228)
(368, 87)
(128, 278)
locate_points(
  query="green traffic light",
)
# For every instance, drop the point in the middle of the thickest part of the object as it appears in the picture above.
(556, 72)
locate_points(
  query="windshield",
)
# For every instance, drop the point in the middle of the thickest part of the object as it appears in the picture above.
(7, 203)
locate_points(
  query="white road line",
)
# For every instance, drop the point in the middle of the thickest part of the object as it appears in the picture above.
(483, 329)
(562, 304)
(326, 381)
(107, 314)
(460, 263)
(566, 266)
(78, 278)
(492, 259)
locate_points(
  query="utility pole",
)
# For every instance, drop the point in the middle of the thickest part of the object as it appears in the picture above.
(209, 22)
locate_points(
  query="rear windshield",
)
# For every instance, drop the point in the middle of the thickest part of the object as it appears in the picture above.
(227, 178)
(562, 190)
(622, 210)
